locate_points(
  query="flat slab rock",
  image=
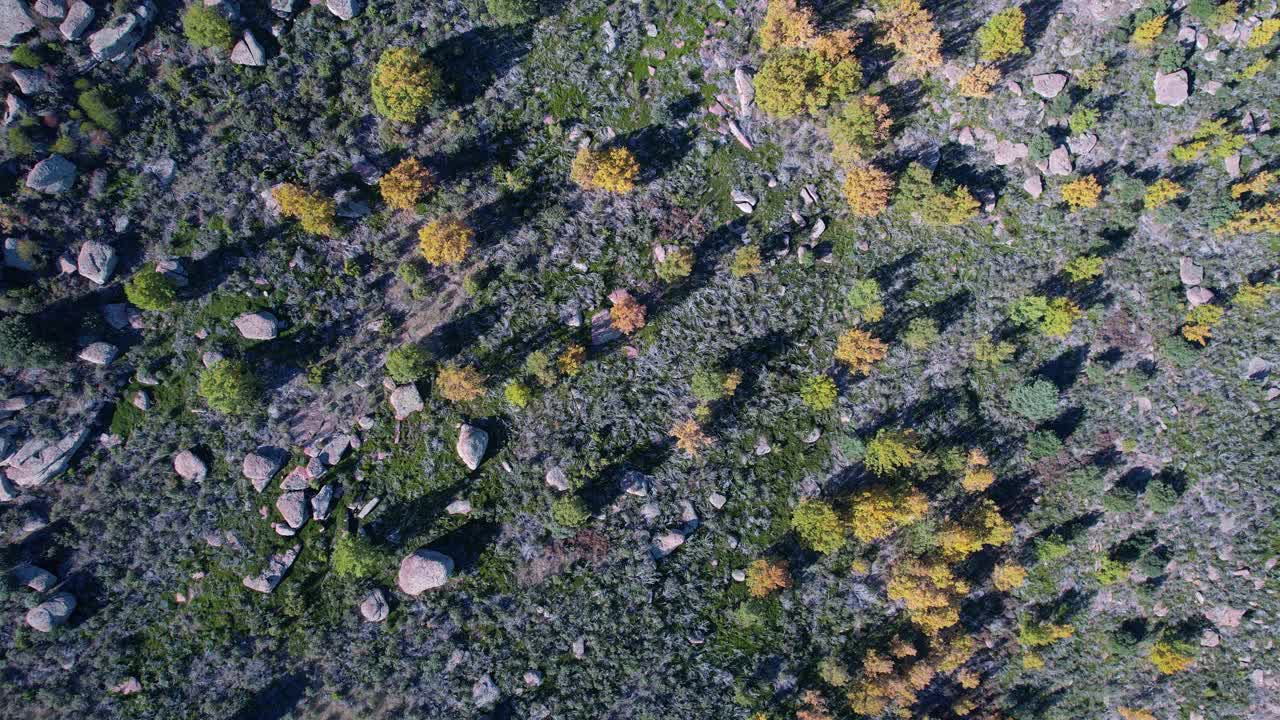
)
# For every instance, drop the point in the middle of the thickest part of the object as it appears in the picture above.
(277, 566)
(259, 325)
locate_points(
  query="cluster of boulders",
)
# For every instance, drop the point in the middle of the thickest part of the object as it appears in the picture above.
(55, 609)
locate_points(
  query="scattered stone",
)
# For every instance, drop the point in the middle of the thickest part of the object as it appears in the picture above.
(406, 401)
(53, 175)
(557, 480)
(332, 452)
(374, 607)
(120, 36)
(96, 261)
(1082, 144)
(292, 506)
(459, 507)
(248, 52)
(345, 9)
(260, 325)
(965, 137)
(1171, 88)
(79, 18)
(742, 79)
(297, 479)
(142, 400)
(485, 692)
(717, 500)
(762, 446)
(322, 503)
(15, 21)
(1210, 87)
(32, 82)
(1190, 272)
(636, 483)
(189, 466)
(472, 442)
(743, 201)
(424, 570)
(579, 648)
(36, 578)
(666, 544)
(739, 575)
(1048, 85)
(282, 7)
(1060, 161)
(1257, 369)
(1209, 638)
(99, 353)
(1033, 185)
(1232, 165)
(128, 686)
(532, 678)
(1007, 153)
(1199, 296)
(52, 612)
(270, 577)
(211, 357)
(15, 110)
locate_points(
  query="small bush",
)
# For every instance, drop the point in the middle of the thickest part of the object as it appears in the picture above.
(1043, 444)
(517, 393)
(921, 334)
(819, 393)
(150, 290)
(1082, 193)
(570, 512)
(1085, 267)
(445, 241)
(460, 384)
(403, 84)
(96, 106)
(676, 266)
(1170, 657)
(229, 387)
(817, 526)
(767, 576)
(354, 557)
(1002, 35)
(405, 184)
(1036, 401)
(891, 451)
(407, 363)
(859, 350)
(512, 12)
(205, 27)
(27, 57)
(746, 261)
(22, 348)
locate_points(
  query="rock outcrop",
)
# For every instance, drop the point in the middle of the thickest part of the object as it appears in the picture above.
(424, 570)
(277, 566)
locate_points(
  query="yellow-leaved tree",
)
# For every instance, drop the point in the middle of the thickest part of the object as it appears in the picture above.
(445, 241)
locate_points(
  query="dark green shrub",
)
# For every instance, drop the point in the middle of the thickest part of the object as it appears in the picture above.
(1120, 500)
(407, 363)
(1161, 496)
(354, 557)
(150, 290)
(512, 12)
(98, 109)
(20, 143)
(27, 57)
(205, 27)
(1036, 401)
(1042, 444)
(229, 387)
(20, 347)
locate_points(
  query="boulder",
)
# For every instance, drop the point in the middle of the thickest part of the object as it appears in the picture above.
(120, 36)
(261, 465)
(602, 330)
(345, 9)
(1171, 88)
(248, 52)
(15, 21)
(37, 461)
(79, 18)
(260, 325)
(96, 261)
(472, 442)
(1190, 272)
(406, 401)
(557, 480)
(458, 507)
(142, 400)
(282, 7)
(666, 544)
(51, 9)
(424, 570)
(15, 109)
(1048, 85)
(298, 478)
(636, 483)
(189, 466)
(32, 82)
(485, 692)
(1197, 296)
(322, 503)
(292, 506)
(53, 175)
(1007, 153)
(1060, 161)
(36, 578)
(334, 449)
(1082, 144)
(128, 686)
(1033, 185)
(52, 612)
(99, 353)
(746, 89)
(374, 607)
(270, 577)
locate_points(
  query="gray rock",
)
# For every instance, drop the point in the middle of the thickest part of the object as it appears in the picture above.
(1007, 153)
(406, 401)
(666, 544)
(1171, 88)
(485, 692)
(122, 34)
(602, 330)
(38, 460)
(1199, 296)
(717, 500)
(1033, 185)
(1210, 87)
(15, 21)
(374, 607)
(1082, 144)
(260, 325)
(36, 578)
(162, 169)
(142, 400)
(52, 612)
(211, 357)
(334, 449)
(746, 89)
(129, 686)
(762, 446)
(532, 678)
(1190, 272)
(174, 271)
(53, 175)
(292, 506)
(424, 570)
(472, 442)
(636, 483)
(459, 507)
(1232, 165)
(189, 466)
(1060, 161)
(15, 109)
(298, 478)
(99, 353)
(282, 7)
(1048, 85)
(51, 9)
(248, 52)
(322, 503)
(270, 577)
(32, 82)
(345, 9)
(557, 480)
(96, 261)
(79, 18)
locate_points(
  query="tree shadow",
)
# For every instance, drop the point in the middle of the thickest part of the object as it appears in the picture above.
(478, 56)
(276, 701)
(658, 148)
(1064, 370)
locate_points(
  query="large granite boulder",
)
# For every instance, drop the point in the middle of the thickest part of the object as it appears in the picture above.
(15, 21)
(52, 612)
(260, 325)
(424, 570)
(79, 18)
(122, 34)
(189, 466)
(262, 464)
(406, 401)
(472, 442)
(39, 460)
(1172, 88)
(54, 175)
(96, 261)
(374, 607)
